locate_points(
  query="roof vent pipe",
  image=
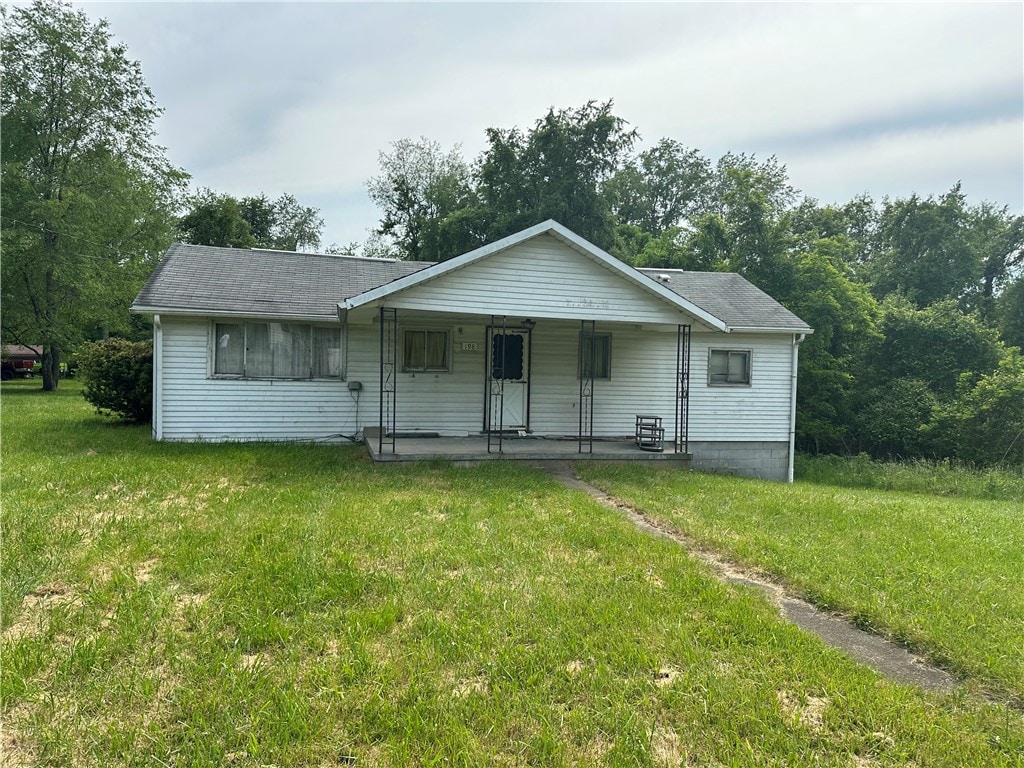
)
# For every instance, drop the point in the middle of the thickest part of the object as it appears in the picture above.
(664, 278)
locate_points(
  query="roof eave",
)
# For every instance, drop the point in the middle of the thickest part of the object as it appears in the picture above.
(762, 329)
(207, 313)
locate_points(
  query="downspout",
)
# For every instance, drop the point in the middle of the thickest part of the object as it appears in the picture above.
(797, 339)
(158, 347)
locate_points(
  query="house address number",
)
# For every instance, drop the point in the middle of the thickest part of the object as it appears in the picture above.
(470, 346)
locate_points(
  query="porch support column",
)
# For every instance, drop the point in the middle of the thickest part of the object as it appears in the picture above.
(588, 344)
(682, 440)
(495, 373)
(388, 379)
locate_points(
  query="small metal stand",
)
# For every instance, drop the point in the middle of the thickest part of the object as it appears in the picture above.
(650, 435)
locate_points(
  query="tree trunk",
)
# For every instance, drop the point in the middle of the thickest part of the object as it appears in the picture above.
(51, 367)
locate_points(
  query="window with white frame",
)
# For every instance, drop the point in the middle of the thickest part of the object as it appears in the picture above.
(729, 366)
(257, 350)
(426, 350)
(596, 353)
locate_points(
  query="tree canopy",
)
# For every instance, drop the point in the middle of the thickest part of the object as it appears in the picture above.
(88, 196)
(219, 219)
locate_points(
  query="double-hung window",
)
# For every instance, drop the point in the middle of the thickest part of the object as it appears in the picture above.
(729, 366)
(595, 355)
(426, 351)
(256, 350)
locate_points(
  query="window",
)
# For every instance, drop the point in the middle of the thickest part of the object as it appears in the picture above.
(425, 351)
(277, 351)
(596, 352)
(729, 366)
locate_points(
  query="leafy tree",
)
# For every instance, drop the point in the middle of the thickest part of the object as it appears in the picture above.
(1010, 313)
(428, 201)
(294, 226)
(935, 345)
(252, 222)
(554, 171)
(924, 252)
(661, 189)
(216, 219)
(258, 212)
(87, 194)
(985, 422)
(844, 317)
(749, 229)
(998, 240)
(893, 417)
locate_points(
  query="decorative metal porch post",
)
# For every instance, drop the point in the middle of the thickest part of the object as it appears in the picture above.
(586, 432)
(388, 378)
(496, 384)
(683, 389)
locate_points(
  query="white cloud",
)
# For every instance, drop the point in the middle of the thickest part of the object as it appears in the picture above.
(302, 97)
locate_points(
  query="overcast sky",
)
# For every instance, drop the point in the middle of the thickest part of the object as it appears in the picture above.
(886, 99)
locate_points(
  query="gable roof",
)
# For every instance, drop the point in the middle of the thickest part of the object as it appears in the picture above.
(740, 303)
(549, 227)
(204, 280)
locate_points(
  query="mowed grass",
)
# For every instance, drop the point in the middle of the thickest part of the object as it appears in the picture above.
(252, 605)
(942, 572)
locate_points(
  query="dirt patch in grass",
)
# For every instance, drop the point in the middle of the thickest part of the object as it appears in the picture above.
(35, 606)
(466, 688)
(666, 675)
(809, 713)
(666, 747)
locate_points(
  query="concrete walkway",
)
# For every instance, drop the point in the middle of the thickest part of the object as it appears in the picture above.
(886, 658)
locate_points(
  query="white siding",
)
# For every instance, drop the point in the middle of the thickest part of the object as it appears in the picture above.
(542, 277)
(643, 365)
(200, 408)
(758, 412)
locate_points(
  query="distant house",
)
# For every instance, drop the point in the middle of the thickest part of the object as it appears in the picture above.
(539, 339)
(19, 360)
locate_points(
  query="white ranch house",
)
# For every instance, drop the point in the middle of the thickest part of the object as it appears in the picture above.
(538, 345)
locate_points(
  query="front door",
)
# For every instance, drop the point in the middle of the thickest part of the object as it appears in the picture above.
(508, 382)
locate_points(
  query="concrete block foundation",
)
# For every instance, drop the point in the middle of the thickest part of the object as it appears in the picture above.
(765, 459)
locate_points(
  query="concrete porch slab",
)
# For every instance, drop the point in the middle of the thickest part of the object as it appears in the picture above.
(513, 448)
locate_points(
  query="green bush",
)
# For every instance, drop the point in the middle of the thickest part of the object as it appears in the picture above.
(118, 377)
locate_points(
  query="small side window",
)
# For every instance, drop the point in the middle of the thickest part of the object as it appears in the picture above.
(729, 366)
(595, 353)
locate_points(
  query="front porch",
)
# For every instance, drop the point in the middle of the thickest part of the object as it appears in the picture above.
(514, 448)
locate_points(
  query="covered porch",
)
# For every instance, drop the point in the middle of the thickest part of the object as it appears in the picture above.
(530, 448)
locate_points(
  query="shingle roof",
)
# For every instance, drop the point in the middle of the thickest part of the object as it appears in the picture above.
(732, 298)
(199, 278)
(206, 280)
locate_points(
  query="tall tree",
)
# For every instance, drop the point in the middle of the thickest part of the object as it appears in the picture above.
(924, 251)
(554, 171)
(661, 188)
(216, 219)
(294, 226)
(222, 220)
(87, 193)
(427, 197)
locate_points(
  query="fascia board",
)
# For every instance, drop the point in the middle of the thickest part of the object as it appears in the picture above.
(174, 312)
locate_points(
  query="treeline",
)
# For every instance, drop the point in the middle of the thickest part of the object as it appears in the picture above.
(917, 303)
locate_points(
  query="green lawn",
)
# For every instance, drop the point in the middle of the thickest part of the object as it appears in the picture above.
(255, 605)
(943, 573)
